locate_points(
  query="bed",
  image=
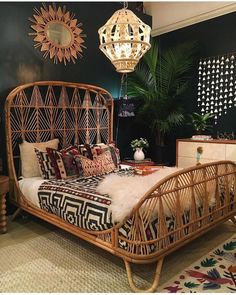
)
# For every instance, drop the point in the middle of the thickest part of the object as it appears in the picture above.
(81, 113)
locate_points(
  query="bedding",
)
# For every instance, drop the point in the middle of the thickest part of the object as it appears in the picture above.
(29, 187)
(47, 171)
(118, 188)
(98, 149)
(29, 162)
(77, 160)
(78, 201)
(63, 162)
(75, 200)
(100, 165)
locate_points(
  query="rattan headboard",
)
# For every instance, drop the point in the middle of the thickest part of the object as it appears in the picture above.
(73, 113)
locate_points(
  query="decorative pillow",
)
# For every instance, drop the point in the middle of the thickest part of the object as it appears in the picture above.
(63, 162)
(85, 150)
(98, 149)
(102, 164)
(115, 152)
(29, 162)
(46, 169)
(71, 149)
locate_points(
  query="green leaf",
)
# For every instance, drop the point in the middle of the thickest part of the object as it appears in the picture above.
(191, 285)
(219, 252)
(230, 246)
(161, 80)
(208, 262)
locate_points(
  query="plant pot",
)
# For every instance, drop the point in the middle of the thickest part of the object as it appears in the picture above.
(139, 155)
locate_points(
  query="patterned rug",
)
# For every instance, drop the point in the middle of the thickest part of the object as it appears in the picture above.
(213, 273)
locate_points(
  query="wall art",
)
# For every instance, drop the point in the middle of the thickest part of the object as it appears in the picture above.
(216, 85)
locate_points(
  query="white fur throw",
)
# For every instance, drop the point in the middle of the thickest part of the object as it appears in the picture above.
(126, 191)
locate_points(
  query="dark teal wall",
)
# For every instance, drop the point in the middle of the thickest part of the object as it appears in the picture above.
(215, 37)
(20, 63)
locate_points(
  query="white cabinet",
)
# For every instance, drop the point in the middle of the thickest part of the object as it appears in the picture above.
(213, 150)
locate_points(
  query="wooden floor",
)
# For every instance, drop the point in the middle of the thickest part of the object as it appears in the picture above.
(29, 227)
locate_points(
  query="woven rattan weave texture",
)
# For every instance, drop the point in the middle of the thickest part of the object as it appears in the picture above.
(196, 198)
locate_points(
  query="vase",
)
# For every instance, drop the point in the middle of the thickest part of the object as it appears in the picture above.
(139, 154)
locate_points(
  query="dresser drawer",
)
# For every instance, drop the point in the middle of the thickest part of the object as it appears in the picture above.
(185, 162)
(211, 151)
(230, 153)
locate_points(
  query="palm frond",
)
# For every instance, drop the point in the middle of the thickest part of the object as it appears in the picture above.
(161, 79)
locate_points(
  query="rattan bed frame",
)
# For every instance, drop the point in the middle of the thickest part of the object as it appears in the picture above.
(79, 113)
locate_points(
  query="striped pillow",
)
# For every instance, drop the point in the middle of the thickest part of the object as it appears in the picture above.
(46, 169)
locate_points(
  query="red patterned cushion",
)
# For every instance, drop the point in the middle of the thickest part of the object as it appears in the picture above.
(85, 150)
(63, 162)
(98, 149)
(100, 165)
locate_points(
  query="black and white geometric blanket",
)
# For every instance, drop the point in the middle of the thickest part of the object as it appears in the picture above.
(77, 202)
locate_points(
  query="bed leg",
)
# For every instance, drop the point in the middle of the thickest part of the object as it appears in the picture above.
(155, 281)
(14, 215)
(233, 219)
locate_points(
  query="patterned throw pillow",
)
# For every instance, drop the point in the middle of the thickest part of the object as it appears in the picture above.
(63, 162)
(46, 169)
(115, 154)
(100, 165)
(85, 150)
(98, 149)
(29, 161)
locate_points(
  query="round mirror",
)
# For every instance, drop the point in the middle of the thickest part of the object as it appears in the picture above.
(59, 34)
(55, 28)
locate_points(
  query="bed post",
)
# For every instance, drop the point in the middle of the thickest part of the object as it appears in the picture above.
(155, 282)
(233, 219)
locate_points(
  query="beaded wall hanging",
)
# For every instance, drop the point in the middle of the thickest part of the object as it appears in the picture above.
(217, 85)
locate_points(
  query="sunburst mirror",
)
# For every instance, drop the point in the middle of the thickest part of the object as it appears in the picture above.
(58, 33)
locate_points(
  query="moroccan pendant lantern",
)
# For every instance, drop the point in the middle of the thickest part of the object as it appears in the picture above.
(124, 39)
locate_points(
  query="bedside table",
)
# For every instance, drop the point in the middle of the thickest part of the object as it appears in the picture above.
(4, 189)
(145, 162)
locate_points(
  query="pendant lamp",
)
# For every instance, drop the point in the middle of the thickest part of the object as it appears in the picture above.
(124, 39)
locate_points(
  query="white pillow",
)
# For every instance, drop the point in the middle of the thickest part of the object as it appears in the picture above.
(29, 161)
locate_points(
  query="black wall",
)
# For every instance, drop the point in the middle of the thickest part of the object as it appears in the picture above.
(215, 37)
(20, 63)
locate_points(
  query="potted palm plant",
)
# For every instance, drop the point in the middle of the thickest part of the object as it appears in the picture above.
(201, 122)
(161, 80)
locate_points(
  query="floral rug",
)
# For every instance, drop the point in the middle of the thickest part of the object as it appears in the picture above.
(213, 273)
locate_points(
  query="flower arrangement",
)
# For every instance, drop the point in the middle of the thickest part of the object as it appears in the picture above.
(139, 143)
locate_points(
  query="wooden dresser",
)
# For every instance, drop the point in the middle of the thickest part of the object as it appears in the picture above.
(212, 150)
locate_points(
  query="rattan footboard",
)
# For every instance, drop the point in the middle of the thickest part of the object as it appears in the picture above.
(197, 198)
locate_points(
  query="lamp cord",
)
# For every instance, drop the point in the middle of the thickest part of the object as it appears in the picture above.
(122, 93)
(125, 4)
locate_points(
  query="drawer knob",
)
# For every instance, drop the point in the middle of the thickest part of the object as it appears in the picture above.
(198, 154)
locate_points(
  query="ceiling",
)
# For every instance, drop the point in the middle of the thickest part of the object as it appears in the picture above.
(170, 16)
